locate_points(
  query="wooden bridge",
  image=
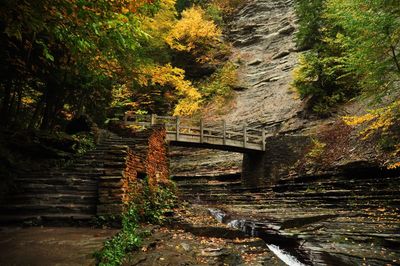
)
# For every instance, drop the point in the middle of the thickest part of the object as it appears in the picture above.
(201, 133)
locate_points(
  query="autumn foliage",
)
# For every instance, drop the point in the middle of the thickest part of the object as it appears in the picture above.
(63, 58)
(174, 78)
(194, 34)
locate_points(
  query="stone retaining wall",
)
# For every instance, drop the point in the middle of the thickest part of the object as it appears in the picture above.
(281, 154)
(145, 155)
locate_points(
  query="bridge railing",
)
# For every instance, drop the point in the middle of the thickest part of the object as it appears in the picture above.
(201, 131)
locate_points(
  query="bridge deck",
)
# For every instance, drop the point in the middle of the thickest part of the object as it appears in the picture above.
(196, 132)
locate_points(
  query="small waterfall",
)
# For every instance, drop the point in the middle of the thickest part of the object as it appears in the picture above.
(269, 233)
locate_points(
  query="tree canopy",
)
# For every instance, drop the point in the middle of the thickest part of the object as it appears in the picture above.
(354, 48)
(63, 58)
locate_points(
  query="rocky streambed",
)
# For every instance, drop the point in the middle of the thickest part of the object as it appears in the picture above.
(325, 220)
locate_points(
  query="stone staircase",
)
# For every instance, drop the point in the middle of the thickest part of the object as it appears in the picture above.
(69, 193)
(339, 220)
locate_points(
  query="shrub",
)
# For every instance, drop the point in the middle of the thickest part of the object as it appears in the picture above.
(147, 206)
(220, 83)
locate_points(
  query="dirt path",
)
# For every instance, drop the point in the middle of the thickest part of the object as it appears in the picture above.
(50, 246)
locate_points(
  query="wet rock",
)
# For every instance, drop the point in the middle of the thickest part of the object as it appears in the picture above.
(213, 252)
(336, 219)
(189, 245)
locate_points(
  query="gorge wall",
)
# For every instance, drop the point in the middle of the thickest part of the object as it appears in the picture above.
(262, 35)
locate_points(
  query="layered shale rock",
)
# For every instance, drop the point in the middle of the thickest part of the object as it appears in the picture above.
(262, 33)
(339, 219)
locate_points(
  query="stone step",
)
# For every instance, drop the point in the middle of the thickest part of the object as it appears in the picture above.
(21, 182)
(67, 179)
(81, 172)
(344, 193)
(208, 183)
(230, 197)
(332, 201)
(201, 179)
(43, 188)
(56, 198)
(338, 181)
(222, 188)
(92, 172)
(69, 191)
(120, 141)
(86, 164)
(30, 209)
(41, 217)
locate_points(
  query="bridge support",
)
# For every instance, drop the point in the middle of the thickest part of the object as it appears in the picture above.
(281, 154)
(253, 169)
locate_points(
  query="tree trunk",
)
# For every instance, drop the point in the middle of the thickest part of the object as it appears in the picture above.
(49, 101)
(18, 105)
(4, 115)
(34, 120)
(395, 59)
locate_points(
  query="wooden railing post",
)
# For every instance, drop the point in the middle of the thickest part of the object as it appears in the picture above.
(244, 135)
(153, 119)
(201, 130)
(224, 131)
(263, 139)
(177, 128)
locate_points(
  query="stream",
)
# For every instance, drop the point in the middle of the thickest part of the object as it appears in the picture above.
(334, 220)
(286, 249)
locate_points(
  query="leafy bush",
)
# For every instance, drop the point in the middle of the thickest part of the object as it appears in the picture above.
(127, 239)
(152, 202)
(355, 48)
(83, 142)
(185, 95)
(195, 34)
(215, 13)
(384, 124)
(147, 206)
(227, 6)
(220, 83)
(310, 18)
(317, 149)
(321, 76)
(322, 81)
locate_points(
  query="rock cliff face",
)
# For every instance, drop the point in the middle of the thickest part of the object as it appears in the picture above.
(262, 35)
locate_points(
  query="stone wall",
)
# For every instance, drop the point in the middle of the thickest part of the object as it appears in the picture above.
(157, 167)
(281, 154)
(143, 154)
(111, 185)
